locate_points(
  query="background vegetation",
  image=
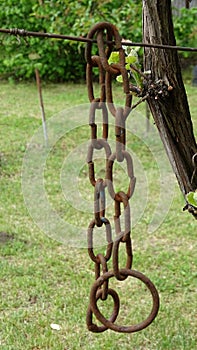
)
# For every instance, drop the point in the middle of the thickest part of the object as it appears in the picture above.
(60, 60)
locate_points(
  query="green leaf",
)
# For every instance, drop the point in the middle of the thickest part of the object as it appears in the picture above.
(38, 65)
(131, 59)
(119, 79)
(138, 78)
(192, 198)
(128, 67)
(114, 58)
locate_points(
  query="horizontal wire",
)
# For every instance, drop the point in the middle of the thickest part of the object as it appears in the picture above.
(25, 33)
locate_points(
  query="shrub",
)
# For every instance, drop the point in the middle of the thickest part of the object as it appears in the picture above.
(60, 60)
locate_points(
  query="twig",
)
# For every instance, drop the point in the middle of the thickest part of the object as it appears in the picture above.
(140, 101)
(139, 72)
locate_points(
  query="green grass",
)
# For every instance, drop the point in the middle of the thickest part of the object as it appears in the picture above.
(44, 281)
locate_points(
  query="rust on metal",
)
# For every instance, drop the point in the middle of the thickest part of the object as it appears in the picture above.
(119, 328)
(108, 239)
(107, 38)
(109, 174)
(25, 33)
(92, 326)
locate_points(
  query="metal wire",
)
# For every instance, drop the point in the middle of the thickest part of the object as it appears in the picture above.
(25, 33)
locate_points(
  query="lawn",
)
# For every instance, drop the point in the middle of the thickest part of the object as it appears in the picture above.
(46, 273)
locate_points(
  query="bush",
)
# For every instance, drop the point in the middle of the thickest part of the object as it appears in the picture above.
(61, 60)
(58, 60)
(185, 29)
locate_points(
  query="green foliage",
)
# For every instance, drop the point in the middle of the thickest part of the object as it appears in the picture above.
(192, 198)
(185, 28)
(55, 57)
(132, 61)
(60, 60)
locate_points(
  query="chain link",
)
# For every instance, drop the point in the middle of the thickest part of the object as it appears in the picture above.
(104, 33)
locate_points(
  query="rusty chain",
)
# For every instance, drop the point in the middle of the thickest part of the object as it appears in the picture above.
(104, 33)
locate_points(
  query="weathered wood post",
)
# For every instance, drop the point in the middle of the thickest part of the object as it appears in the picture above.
(194, 78)
(171, 113)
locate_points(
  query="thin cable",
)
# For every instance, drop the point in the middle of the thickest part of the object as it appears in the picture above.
(25, 33)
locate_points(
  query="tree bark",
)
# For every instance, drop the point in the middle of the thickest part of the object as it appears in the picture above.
(169, 108)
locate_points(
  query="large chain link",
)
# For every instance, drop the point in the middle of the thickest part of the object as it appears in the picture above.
(100, 290)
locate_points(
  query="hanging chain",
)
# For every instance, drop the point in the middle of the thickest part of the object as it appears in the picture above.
(105, 33)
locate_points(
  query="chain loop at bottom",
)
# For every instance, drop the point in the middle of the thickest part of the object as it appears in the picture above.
(92, 326)
(108, 323)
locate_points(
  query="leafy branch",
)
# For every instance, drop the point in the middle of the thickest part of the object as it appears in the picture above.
(133, 68)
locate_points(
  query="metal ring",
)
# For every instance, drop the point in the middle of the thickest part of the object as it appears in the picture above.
(109, 97)
(118, 328)
(92, 326)
(93, 107)
(108, 238)
(117, 272)
(109, 174)
(103, 263)
(89, 79)
(109, 35)
(99, 202)
(99, 143)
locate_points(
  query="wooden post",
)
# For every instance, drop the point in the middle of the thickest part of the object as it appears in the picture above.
(187, 4)
(41, 106)
(171, 113)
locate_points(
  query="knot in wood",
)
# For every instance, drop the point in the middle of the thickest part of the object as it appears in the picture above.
(157, 89)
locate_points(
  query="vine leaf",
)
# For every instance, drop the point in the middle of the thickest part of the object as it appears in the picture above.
(192, 198)
(130, 59)
(114, 58)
